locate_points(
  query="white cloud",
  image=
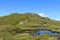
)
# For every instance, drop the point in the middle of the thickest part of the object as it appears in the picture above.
(42, 14)
(57, 19)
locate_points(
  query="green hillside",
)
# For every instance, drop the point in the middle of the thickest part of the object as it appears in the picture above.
(28, 19)
(15, 18)
(11, 24)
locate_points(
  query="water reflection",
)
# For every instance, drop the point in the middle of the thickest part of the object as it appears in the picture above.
(46, 31)
(41, 32)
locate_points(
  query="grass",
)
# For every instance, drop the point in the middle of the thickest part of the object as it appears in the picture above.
(11, 24)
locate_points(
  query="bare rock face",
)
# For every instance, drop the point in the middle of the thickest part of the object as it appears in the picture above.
(22, 22)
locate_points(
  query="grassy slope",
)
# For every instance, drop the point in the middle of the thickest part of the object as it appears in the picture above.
(11, 24)
(32, 20)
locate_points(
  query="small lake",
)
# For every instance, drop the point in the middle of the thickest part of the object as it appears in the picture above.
(41, 32)
(46, 31)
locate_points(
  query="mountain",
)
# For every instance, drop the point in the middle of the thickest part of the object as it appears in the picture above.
(28, 19)
(11, 25)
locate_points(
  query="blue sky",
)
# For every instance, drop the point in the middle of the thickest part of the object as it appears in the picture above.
(50, 8)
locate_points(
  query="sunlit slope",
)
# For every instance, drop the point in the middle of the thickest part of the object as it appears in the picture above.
(28, 19)
(12, 25)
